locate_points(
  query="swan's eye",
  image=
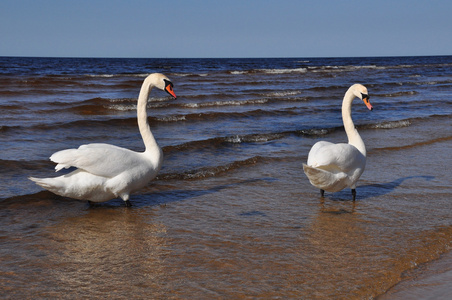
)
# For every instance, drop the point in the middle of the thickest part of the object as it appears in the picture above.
(168, 83)
(365, 97)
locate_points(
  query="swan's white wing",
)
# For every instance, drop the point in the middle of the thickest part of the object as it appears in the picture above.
(98, 159)
(335, 157)
(315, 153)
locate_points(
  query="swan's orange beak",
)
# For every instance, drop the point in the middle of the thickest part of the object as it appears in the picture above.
(367, 102)
(170, 91)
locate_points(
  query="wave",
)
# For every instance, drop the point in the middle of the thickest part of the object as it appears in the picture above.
(31, 199)
(214, 116)
(415, 84)
(7, 166)
(132, 121)
(266, 137)
(139, 75)
(227, 141)
(404, 122)
(282, 93)
(190, 74)
(388, 124)
(398, 94)
(94, 106)
(414, 145)
(106, 106)
(331, 68)
(276, 97)
(222, 103)
(268, 71)
(5, 128)
(103, 106)
(206, 172)
(217, 142)
(98, 109)
(283, 71)
(349, 68)
(322, 69)
(209, 116)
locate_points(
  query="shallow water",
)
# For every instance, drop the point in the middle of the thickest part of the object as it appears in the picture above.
(430, 281)
(231, 214)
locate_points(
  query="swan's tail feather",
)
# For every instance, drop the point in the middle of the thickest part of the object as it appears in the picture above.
(47, 183)
(317, 177)
(325, 180)
(77, 185)
(53, 185)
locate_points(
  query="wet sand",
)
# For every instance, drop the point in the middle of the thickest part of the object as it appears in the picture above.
(429, 281)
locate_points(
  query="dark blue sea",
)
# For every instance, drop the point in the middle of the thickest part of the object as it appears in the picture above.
(231, 214)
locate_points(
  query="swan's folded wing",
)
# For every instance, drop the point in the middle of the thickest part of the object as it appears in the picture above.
(336, 158)
(98, 159)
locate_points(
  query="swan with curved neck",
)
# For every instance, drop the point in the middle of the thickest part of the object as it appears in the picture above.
(105, 171)
(333, 167)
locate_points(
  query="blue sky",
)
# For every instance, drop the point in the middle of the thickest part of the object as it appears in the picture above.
(225, 28)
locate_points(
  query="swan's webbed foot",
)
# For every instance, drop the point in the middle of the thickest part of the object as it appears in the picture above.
(128, 204)
(322, 193)
(354, 194)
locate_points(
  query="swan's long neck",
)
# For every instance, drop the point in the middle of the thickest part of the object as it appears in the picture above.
(353, 136)
(148, 138)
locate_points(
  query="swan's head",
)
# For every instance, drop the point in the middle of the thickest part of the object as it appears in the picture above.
(162, 82)
(360, 91)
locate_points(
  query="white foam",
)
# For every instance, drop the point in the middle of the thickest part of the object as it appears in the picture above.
(100, 75)
(392, 124)
(121, 107)
(284, 71)
(282, 94)
(172, 118)
(234, 139)
(226, 103)
(238, 72)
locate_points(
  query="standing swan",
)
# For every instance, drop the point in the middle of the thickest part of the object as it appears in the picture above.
(105, 171)
(333, 167)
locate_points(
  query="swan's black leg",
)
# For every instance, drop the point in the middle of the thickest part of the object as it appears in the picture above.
(354, 194)
(322, 193)
(128, 204)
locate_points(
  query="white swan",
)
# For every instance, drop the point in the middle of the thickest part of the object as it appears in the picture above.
(333, 167)
(105, 171)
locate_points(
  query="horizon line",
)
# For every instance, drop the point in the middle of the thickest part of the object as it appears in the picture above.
(232, 57)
